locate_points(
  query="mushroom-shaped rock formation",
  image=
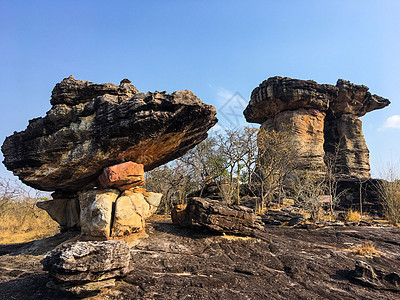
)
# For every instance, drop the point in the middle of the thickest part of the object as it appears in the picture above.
(93, 126)
(323, 118)
(93, 147)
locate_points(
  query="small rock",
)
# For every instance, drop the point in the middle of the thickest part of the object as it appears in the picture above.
(295, 221)
(365, 274)
(180, 216)
(393, 278)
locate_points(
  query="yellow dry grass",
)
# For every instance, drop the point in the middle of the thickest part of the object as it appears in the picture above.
(235, 237)
(352, 216)
(23, 222)
(365, 249)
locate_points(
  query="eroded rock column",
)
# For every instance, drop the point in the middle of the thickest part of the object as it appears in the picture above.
(322, 119)
(297, 107)
(307, 129)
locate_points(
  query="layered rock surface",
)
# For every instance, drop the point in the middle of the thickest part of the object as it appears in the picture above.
(93, 126)
(184, 263)
(215, 216)
(323, 119)
(83, 268)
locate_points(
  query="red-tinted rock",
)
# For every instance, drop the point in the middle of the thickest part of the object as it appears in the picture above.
(122, 176)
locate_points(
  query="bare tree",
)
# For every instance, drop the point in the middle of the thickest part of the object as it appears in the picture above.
(389, 191)
(173, 181)
(275, 163)
(308, 188)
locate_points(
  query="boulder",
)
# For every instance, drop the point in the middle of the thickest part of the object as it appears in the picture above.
(93, 126)
(132, 209)
(323, 119)
(367, 275)
(122, 176)
(109, 213)
(86, 267)
(218, 217)
(277, 94)
(355, 100)
(65, 212)
(97, 211)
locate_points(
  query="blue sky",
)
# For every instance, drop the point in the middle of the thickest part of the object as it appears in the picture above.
(214, 48)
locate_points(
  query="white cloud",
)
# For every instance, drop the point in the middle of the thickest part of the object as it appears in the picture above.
(392, 122)
(223, 94)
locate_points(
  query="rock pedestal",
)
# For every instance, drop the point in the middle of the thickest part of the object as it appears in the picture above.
(111, 212)
(94, 145)
(323, 120)
(306, 127)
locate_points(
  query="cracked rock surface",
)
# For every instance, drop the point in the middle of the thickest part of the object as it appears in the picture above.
(181, 263)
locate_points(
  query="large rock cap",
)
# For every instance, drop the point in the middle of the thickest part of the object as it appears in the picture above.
(92, 126)
(277, 94)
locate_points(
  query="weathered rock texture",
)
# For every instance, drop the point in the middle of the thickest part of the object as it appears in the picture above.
(307, 126)
(218, 217)
(93, 126)
(65, 212)
(323, 118)
(184, 263)
(97, 211)
(86, 267)
(110, 213)
(122, 176)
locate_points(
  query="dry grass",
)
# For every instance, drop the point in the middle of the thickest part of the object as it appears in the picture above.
(352, 216)
(22, 222)
(365, 249)
(235, 237)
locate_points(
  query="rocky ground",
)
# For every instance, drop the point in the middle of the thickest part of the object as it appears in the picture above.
(178, 263)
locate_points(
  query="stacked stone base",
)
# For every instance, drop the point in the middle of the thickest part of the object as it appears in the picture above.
(117, 207)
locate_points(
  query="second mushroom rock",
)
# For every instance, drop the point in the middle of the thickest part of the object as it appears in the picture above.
(323, 119)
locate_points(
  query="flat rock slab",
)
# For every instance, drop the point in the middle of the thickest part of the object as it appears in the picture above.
(82, 262)
(93, 126)
(179, 263)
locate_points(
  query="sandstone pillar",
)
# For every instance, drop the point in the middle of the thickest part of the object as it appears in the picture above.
(322, 118)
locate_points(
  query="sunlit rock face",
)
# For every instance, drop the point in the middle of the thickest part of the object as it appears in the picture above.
(322, 118)
(93, 126)
(306, 127)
